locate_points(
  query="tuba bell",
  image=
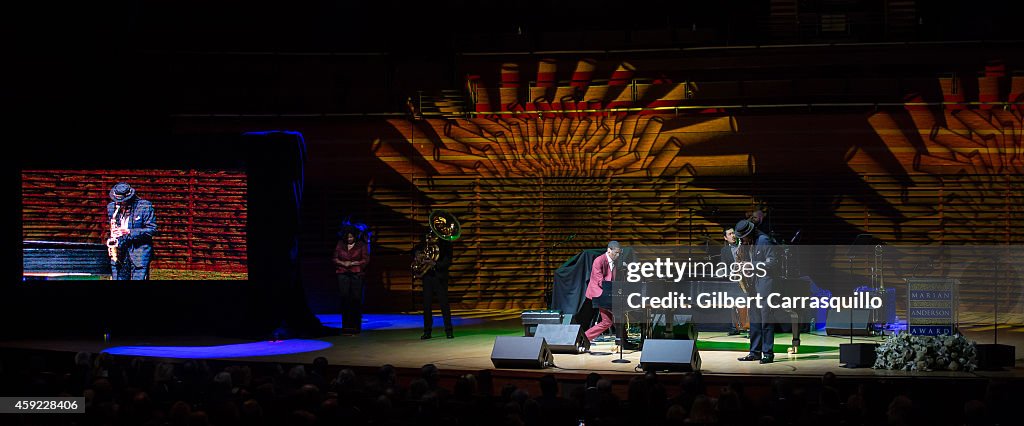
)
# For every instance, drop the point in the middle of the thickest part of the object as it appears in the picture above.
(443, 226)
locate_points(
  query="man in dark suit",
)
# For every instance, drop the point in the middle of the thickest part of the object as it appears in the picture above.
(728, 256)
(728, 253)
(760, 250)
(133, 224)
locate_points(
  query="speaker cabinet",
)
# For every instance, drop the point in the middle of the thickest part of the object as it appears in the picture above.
(857, 355)
(670, 355)
(532, 318)
(838, 323)
(561, 339)
(995, 357)
(521, 352)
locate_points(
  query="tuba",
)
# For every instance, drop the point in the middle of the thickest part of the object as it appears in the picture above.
(443, 226)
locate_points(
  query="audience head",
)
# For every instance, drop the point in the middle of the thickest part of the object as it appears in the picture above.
(386, 374)
(431, 374)
(899, 410)
(83, 359)
(548, 386)
(346, 377)
(297, 373)
(252, 411)
(320, 365)
(465, 386)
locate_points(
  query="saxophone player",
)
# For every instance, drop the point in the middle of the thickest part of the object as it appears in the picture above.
(132, 226)
(757, 247)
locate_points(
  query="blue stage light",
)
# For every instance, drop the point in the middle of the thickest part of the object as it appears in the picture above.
(281, 347)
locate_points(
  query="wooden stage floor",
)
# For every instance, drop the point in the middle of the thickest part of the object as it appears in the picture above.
(470, 351)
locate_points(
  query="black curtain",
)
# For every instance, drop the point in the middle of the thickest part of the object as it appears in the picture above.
(572, 277)
(276, 183)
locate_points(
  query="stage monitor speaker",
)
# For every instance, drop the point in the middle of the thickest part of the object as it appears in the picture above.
(521, 352)
(995, 357)
(532, 318)
(670, 355)
(560, 338)
(857, 355)
(837, 323)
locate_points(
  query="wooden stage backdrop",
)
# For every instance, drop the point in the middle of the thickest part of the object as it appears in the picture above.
(538, 170)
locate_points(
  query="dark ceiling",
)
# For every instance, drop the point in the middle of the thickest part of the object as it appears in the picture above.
(454, 26)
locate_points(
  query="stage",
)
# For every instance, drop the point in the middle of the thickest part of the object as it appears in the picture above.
(394, 339)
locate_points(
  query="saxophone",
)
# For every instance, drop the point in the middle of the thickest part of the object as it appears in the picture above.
(742, 256)
(112, 241)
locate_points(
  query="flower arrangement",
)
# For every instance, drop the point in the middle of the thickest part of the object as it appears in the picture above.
(908, 352)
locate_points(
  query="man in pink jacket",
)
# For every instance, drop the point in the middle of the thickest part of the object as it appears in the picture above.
(602, 270)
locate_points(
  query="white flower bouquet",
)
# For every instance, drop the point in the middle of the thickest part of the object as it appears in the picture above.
(908, 352)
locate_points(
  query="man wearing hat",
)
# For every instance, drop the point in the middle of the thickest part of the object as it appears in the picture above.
(759, 249)
(133, 226)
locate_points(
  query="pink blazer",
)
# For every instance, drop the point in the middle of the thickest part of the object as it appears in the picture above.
(599, 273)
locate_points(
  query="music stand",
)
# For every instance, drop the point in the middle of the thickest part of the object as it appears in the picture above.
(620, 339)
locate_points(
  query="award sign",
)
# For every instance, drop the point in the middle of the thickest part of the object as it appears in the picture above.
(931, 306)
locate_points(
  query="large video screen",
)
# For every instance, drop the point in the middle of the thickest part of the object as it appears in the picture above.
(150, 224)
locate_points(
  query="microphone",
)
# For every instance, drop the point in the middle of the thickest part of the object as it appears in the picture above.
(571, 237)
(796, 236)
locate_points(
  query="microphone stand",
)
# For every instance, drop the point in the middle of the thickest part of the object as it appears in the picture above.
(851, 326)
(995, 306)
(852, 254)
(620, 360)
(621, 340)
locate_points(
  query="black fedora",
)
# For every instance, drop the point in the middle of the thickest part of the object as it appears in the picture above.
(744, 228)
(122, 192)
